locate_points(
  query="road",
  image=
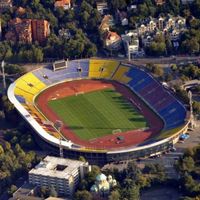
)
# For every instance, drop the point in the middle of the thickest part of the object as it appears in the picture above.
(137, 61)
(168, 159)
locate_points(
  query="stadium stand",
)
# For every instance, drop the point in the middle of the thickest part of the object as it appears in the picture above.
(143, 84)
(120, 74)
(22, 92)
(157, 97)
(102, 68)
(74, 69)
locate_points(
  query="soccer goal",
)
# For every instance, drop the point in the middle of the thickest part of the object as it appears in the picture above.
(116, 131)
(79, 93)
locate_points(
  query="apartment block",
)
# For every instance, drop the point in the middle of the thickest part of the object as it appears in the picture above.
(63, 174)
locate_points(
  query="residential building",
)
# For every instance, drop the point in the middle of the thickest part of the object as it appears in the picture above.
(122, 18)
(106, 23)
(40, 30)
(25, 192)
(20, 11)
(112, 40)
(63, 174)
(29, 192)
(159, 2)
(65, 4)
(132, 7)
(165, 25)
(19, 30)
(131, 43)
(5, 4)
(102, 7)
(146, 40)
(28, 30)
(151, 25)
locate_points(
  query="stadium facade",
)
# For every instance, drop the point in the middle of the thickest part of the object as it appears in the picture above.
(23, 92)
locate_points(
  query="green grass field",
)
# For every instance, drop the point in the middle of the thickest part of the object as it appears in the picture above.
(96, 114)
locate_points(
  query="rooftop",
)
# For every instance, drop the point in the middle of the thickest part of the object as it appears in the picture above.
(56, 167)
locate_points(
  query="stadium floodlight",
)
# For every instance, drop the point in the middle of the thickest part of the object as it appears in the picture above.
(58, 125)
(192, 123)
(3, 74)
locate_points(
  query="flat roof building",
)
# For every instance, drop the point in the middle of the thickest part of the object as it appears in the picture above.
(63, 174)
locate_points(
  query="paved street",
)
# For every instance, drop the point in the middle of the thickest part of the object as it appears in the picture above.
(168, 159)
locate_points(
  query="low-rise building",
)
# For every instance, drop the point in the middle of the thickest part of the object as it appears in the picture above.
(19, 30)
(122, 18)
(106, 23)
(131, 43)
(102, 7)
(5, 4)
(63, 174)
(168, 25)
(159, 2)
(112, 40)
(65, 4)
(28, 30)
(40, 30)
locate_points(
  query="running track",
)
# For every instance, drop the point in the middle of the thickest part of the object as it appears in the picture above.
(108, 142)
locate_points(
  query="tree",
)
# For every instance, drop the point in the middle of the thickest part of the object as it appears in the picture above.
(174, 67)
(81, 158)
(131, 193)
(190, 46)
(91, 176)
(196, 8)
(118, 4)
(156, 48)
(157, 70)
(83, 195)
(12, 189)
(1, 150)
(187, 164)
(5, 51)
(37, 54)
(196, 107)
(115, 195)
(52, 192)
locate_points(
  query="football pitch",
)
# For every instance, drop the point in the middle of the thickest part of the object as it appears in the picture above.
(99, 113)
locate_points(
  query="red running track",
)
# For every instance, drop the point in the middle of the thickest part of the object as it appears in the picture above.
(108, 142)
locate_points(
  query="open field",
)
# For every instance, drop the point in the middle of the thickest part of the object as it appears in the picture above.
(98, 113)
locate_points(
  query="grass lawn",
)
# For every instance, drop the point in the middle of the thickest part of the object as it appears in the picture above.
(96, 114)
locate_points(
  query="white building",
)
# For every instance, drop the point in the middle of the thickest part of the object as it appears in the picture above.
(102, 7)
(131, 44)
(63, 174)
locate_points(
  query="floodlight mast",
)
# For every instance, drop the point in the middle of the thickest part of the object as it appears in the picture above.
(58, 125)
(3, 74)
(192, 123)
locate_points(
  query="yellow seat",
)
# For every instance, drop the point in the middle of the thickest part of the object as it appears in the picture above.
(27, 96)
(120, 74)
(102, 68)
(28, 86)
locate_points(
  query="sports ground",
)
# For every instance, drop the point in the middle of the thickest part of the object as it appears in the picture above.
(95, 113)
(98, 113)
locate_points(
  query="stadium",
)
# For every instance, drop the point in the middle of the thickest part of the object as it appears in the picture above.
(104, 110)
